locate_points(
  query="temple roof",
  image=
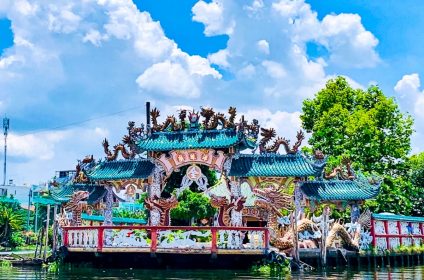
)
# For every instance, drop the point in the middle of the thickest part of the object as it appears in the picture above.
(273, 165)
(64, 193)
(121, 169)
(333, 190)
(393, 217)
(191, 139)
(117, 220)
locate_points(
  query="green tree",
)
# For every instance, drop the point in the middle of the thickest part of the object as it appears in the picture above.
(417, 180)
(11, 220)
(364, 125)
(192, 206)
(367, 127)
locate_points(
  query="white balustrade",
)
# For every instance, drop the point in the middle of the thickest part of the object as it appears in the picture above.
(234, 239)
(82, 238)
(127, 238)
(178, 239)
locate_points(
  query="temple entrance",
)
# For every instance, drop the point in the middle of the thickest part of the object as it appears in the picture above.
(189, 185)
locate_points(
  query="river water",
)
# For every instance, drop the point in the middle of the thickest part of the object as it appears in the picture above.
(88, 272)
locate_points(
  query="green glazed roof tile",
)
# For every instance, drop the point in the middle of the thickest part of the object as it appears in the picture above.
(117, 220)
(63, 194)
(388, 216)
(121, 169)
(272, 165)
(338, 190)
(196, 139)
(45, 201)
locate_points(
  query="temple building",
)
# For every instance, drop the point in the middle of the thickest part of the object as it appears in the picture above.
(266, 188)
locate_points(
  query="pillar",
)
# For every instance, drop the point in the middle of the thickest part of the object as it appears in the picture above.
(236, 216)
(109, 204)
(298, 214)
(155, 193)
(324, 227)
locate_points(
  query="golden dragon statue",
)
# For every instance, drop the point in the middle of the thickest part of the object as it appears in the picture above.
(225, 208)
(349, 241)
(76, 205)
(273, 200)
(163, 206)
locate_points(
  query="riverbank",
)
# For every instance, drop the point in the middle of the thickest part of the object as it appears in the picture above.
(84, 271)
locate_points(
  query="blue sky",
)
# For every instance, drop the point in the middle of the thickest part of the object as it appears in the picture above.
(94, 64)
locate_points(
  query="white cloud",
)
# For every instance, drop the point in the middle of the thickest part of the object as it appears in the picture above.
(212, 16)
(411, 99)
(169, 79)
(76, 61)
(274, 69)
(39, 147)
(263, 46)
(219, 58)
(286, 124)
(411, 96)
(344, 36)
(348, 41)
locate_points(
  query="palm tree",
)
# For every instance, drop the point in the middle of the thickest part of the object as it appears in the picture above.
(10, 220)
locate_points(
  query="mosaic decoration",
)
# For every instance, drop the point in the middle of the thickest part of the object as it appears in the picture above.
(179, 158)
(193, 175)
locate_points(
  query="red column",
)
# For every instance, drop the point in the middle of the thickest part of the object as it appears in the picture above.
(266, 238)
(400, 232)
(154, 236)
(214, 248)
(374, 242)
(100, 238)
(65, 238)
(386, 227)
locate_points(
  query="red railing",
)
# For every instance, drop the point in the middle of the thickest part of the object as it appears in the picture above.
(167, 238)
(384, 238)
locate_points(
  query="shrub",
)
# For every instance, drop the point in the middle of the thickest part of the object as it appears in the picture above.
(17, 239)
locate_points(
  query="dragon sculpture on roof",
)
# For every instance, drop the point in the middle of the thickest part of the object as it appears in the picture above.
(170, 122)
(116, 149)
(269, 134)
(212, 120)
(340, 172)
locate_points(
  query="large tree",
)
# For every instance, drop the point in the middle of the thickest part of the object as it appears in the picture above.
(364, 125)
(367, 127)
(417, 180)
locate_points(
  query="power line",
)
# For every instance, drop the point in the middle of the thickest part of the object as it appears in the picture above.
(81, 122)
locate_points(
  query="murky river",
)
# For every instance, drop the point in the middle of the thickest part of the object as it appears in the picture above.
(81, 272)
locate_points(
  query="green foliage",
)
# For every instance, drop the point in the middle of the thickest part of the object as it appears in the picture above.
(17, 239)
(274, 267)
(367, 127)
(5, 264)
(417, 180)
(174, 181)
(126, 213)
(11, 220)
(364, 125)
(192, 205)
(395, 197)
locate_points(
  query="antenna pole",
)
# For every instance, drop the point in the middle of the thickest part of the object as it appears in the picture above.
(5, 131)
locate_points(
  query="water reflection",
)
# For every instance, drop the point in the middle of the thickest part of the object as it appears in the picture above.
(81, 272)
